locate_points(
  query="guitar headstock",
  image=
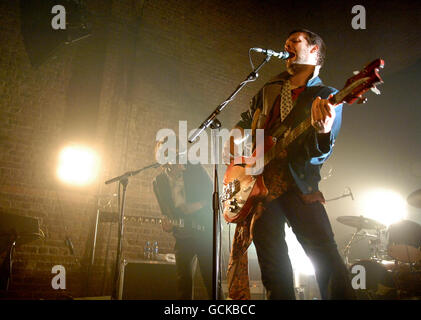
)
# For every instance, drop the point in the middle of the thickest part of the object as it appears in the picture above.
(360, 83)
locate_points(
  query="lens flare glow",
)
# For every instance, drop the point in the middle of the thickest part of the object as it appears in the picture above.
(78, 165)
(384, 206)
(299, 260)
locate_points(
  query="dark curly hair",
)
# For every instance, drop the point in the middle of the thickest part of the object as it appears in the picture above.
(314, 39)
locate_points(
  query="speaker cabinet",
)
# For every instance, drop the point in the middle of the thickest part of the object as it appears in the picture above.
(147, 280)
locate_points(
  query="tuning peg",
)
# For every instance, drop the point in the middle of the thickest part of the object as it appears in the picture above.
(375, 90)
(362, 100)
(356, 72)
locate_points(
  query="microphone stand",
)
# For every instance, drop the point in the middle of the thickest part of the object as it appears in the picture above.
(215, 124)
(124, 181)
(340, 197)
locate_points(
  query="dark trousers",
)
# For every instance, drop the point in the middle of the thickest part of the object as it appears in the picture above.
(312, 228)
(185, 250)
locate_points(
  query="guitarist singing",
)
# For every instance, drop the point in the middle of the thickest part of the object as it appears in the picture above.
(292, 179)
(185, 192)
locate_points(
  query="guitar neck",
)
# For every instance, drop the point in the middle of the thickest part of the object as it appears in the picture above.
(153, 220)
(353, 91)
(293, 135)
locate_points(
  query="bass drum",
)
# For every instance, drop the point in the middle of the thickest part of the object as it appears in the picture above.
(404, 241)
(379, 281)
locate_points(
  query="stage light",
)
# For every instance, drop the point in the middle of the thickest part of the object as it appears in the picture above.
(78, 165)
(300, 262)
(384, 206)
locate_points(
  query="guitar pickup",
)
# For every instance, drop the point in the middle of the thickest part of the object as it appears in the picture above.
(233, 205)
(232, 209)
(231, 189)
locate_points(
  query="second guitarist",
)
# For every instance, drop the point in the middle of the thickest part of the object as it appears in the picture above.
(185, 192)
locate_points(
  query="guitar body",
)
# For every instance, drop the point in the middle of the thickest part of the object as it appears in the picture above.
(241, 190)
(239, 205)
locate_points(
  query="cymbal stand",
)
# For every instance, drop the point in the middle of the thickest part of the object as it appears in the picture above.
(375, 250)
(348, 246)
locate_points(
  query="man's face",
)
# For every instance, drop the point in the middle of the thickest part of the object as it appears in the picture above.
(304, 53)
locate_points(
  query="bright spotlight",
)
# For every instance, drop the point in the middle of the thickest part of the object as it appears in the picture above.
(78, 165)
(384, 206)
(299, 260)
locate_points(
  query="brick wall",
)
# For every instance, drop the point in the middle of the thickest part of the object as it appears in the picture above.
(163, 61)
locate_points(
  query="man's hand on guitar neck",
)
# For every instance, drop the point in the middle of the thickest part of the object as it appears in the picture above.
(322, 115)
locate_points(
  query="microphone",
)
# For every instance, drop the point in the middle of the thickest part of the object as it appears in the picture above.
(350, 193)
(280, 55)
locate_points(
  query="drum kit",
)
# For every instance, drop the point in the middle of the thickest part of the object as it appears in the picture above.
(393, 269)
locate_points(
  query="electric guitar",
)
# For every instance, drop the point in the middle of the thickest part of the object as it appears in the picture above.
(241, 191)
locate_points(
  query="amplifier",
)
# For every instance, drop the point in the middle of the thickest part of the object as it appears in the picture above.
(147, 280)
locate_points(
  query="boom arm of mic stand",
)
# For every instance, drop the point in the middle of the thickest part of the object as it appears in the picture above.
(131, 173)
(209, 120)
(340, 197)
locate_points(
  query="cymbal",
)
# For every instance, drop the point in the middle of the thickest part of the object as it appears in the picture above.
(360, 222)
(414, 199)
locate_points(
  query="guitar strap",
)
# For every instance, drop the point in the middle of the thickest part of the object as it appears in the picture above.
(280, 127)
